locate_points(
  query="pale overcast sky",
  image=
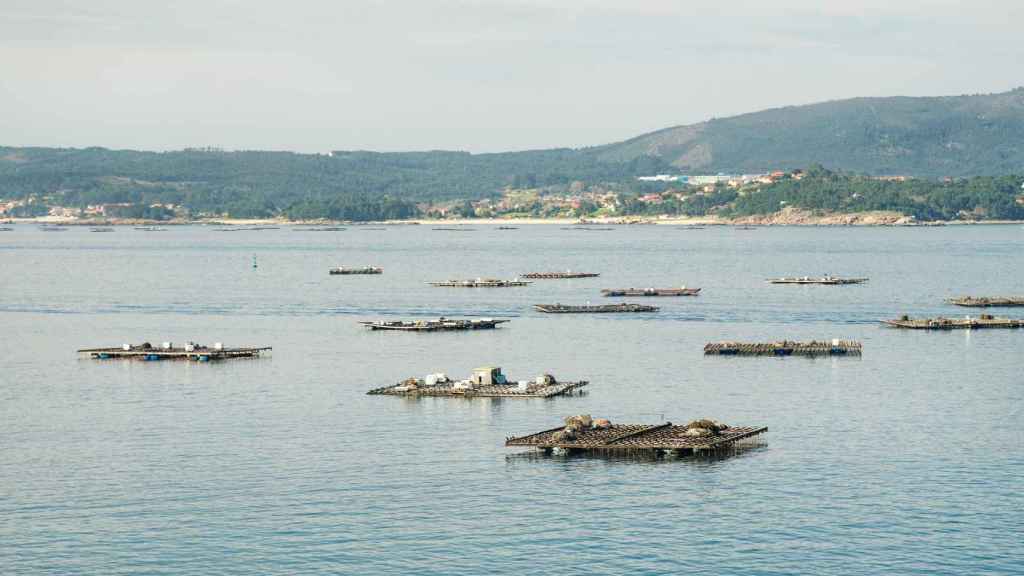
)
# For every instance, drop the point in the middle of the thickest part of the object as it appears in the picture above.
(483, 75)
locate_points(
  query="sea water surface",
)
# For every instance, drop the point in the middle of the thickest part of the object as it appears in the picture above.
(908, 460)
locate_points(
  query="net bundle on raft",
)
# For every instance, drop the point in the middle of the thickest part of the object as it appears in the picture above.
(167, 351)
(486, 382)
(834, 347)
(585, 434)
(982, 321)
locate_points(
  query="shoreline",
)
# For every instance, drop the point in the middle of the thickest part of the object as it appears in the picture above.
(770, 220)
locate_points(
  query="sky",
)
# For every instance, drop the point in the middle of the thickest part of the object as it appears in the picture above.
(476, 75)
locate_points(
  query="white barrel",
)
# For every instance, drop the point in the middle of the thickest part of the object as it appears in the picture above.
(166, 345)
(835, 342)
(190, 347)
(126, 347)
(431, 379)
(524, 385)
(540, 381)
(218, 345)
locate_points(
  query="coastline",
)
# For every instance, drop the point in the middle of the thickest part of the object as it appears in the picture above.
(783, 218)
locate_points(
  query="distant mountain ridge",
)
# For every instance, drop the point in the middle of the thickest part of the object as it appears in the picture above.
(918, 136)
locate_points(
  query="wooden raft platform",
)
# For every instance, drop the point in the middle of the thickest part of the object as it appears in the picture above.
(190, 352)
(481, 283)
(827, 280)
(983, 321)
(594, 309)
(784, 348)
(627, 437)
(439, 325)
(559, 275)
(364, 270)
(684, 291)
(988, 301)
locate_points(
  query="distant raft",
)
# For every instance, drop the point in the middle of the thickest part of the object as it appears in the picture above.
(594, 309)
(584, 434)
(481, 283)
(486, 382)
(988, 301)
(683, 291)
(559, 275)
(440, 325)
(940, 323)
(784, 348)
(167, 351)
(364, 270)
(828, 280)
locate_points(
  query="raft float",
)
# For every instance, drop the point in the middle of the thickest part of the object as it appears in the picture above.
(364, 270)
(988, 302)
(983, 321)
(486, 382)
(481, 283)
(440, 325)
(592, 309)
(167, 351)
(828, 280)
(559, 275)
(784, 348)
(684, 291)
(582, 434)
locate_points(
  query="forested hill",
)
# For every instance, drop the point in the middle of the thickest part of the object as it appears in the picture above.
(929, 137)
(342, 185)
(920, 137)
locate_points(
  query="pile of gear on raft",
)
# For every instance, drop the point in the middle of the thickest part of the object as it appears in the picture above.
(576, 424)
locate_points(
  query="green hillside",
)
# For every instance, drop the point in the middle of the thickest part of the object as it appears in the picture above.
(924, 137)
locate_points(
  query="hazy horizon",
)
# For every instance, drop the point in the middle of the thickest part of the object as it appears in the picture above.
(485, 76)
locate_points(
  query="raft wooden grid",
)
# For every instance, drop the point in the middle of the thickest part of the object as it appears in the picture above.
(954, 324)
(199, 354)
(559, 275)
(784, 348)
(637, 437)
(986, 301)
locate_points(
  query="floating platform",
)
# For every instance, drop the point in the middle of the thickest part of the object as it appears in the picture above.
(323, 229)
(594, 309)
(348, 271)
(481, 283)
(983, 321)
(828, 280)
(195, 352)
(684, 291)
(620, 438)
(559, 275)
(101, 229)
(784, 348)
(439, 325)
(487, 382)
(988, 301)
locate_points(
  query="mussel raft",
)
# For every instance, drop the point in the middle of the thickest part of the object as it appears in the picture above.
(684, 291)
(594, 309)
(559, 275)
(364, 270)
(827, 280)
(481, 283)
(983, 321)
(584, 434)
(486, 382)
(440, 325)
(167, 351)
(784, 348)
(987, 302)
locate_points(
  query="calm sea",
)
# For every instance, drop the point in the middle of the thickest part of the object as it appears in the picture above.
(908, 460)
